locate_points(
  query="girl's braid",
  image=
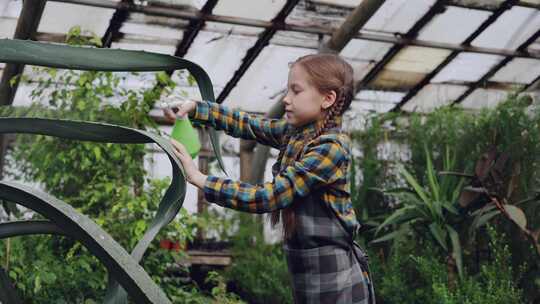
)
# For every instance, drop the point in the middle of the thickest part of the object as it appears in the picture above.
(330, 118)
(289, 220)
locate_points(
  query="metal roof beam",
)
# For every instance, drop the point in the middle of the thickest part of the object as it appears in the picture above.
(193, 29)
(437, 8)
(495, 69)
(490, 20)
(312, 29)
(27, 25)
(113, 30)
(255, 50)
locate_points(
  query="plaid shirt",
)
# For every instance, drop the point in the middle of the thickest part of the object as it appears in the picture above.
(324, 162)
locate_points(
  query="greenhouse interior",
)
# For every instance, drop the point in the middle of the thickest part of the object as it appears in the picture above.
(424, 160)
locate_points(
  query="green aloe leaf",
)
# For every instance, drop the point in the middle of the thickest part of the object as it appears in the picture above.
(92, 236)
(85, 58)
(100, 132)
(100, 59)
(417, 188)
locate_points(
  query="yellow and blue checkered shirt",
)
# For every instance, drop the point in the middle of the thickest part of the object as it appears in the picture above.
(323, 163)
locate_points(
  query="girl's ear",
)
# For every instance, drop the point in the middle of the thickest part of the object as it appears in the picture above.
(329, 99)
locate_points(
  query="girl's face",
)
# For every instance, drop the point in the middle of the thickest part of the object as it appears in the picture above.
(304, 103)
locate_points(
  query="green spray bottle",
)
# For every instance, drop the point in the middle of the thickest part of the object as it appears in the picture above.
(183, 131)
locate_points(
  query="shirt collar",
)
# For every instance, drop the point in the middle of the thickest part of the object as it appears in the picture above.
(310, 128)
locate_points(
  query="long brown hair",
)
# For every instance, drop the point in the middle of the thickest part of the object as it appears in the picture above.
(327, 72)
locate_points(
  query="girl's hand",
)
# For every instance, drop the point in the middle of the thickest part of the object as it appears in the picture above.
(193, 175)
(179, 109)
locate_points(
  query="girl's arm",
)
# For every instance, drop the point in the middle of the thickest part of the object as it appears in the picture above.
(324, 163)
(236, 123)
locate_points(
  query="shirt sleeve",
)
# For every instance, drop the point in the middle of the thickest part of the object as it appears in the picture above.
(323, 164)
(241, 124)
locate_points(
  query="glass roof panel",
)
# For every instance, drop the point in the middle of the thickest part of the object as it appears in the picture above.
(397, 16)
(365, 50)
(188, 4)
(432, 96)
(535, 46)
(438, 29)
(374, 96)
(347, 3)
(9, 13)
(266, 80)
(519, 70)
(360, 106)
(170, 22)
(150, 30)
(533, 2)
(511, 29)
(467, 67)
(363, 55)
(482, 98)
(480, 4)
(260, 9)
(296, 39)
(141, 46)
(7, 27)
(60, 17)
(417, 59)
(310, 13)
(219, 54)
(409, 67)
(10, 8)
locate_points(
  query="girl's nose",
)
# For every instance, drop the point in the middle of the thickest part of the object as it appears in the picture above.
(286, 100)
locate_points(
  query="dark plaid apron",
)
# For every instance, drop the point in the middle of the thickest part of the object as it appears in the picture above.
(326, 266)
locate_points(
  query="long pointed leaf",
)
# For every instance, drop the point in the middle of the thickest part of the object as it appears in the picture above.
(389, 236)
(517, 215)
(439, 234)
(395, 217)
(100, 59)
(456, 249)
(432, 177)
(483, 219)
(92, 236)
(417, 188)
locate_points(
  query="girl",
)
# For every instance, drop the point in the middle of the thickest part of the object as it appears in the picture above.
(310, 190)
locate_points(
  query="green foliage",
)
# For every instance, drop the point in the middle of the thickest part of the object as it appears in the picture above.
(513, 126)
(401, 280)
(428, 210)
(413, 275)
(260, 274)
(495, 284)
